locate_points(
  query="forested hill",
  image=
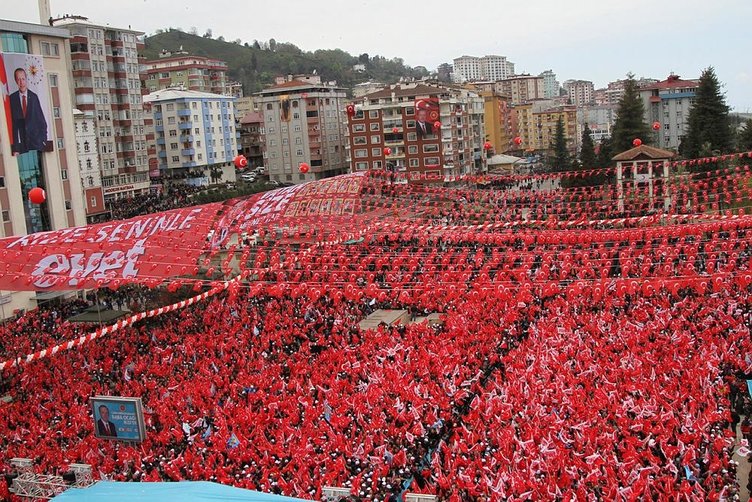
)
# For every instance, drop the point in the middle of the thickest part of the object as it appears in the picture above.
(256, 64)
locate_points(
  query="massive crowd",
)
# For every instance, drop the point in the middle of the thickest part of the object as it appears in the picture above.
(571, 363)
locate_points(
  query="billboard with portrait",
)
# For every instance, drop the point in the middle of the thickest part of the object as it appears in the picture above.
(118, 418)
(284, 108)
(23, 84)
(426, 114)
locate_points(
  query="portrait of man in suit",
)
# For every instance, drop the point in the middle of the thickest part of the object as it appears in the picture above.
(29, 123)
(422, 125)
(104, 426)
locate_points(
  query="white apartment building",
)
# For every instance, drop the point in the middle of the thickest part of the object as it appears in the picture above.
(491, 68)
(195, 133)
(580, 92)
(550, 84)
(55, 169)
(668, 102)
(88, 165)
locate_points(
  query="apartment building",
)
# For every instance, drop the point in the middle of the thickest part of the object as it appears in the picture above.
(304, 121)
(107, 85)
(195, 135)
(194, 73)
(37, 56)
(252, 138)
(579, 92)
(88, 166)
(491, 67)
(386, 131)
(536, 125)
(521, 88)
(668, 102)
(551, 87)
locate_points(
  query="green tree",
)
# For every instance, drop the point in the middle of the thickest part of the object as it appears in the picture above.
(745, 136)
(630, 119)
(605, 153)
(587, 149)
(708, 126)
(559, 146)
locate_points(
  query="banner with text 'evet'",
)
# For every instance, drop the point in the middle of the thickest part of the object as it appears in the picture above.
(150, 248)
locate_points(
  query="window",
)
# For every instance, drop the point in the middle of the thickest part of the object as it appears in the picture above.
(299, 152)
(361, 153)
(411, 124)
(360, 140)
(412, 149)
(298, 140)
(52, 78)
(409, 110)
(358, 128)
(67, 205)
(171, 120)
(269, 106)
(175, 158)
(60, 144)
(375, 126)
(431, 161)
(430, 148)
(170, 107)
(6, 216)
(200, 156)
(414, 163)
(412, 136)
(2, 181)
(361, 166)
(377, 164)
(375, 152)
(375, 139)
(50, 49)
(173, 146)
(93, 202)
(373, 114)
(64, 174)
(173, 133)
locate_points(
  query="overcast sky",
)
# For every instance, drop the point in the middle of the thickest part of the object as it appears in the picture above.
(584, 39)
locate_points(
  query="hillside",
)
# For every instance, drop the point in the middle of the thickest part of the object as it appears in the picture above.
(255, 66)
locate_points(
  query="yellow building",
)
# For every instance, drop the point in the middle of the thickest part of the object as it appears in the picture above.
(498, 121)
(544, 126)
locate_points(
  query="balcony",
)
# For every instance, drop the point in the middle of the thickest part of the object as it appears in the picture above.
(188, 164)
(185, 126)
(163, 154)
(161, 141)
(184, 113)
(186, 138)
(188, 151)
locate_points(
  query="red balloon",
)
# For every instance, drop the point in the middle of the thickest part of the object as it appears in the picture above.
(637, 142)
(37, 195)
(240, 161)
(517, 140)
(387, 151)
(304, 167)
(350, 109)
(395, 130)
(437, 125)
(487, 145)
(656, 125)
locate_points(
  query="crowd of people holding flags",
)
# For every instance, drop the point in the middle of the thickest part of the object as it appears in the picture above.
(571, 361)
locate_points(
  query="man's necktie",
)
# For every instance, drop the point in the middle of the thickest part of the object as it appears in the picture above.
(23, 105)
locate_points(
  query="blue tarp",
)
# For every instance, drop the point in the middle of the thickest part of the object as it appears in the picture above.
(184, 491)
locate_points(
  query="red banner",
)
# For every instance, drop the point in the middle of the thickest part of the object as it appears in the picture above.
(160, 246)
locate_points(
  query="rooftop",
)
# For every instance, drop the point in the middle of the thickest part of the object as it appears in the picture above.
(33, 29)
(644, 152)
(72, 20)
(405, 90)
(252, 118)
(172, 93)
(672, 82)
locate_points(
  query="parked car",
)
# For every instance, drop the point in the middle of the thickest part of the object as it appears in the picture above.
(261, 170)
(248, 177)
(272, 183)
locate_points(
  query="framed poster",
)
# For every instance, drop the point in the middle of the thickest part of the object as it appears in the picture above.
(118, 418)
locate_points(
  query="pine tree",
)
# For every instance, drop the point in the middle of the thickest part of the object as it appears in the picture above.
(708, 126)
(559, 146)
(605, 153)
(745, 137)
(587, 150)
(630, 119)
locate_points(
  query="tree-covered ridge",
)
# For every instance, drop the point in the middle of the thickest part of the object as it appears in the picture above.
(256, 64)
